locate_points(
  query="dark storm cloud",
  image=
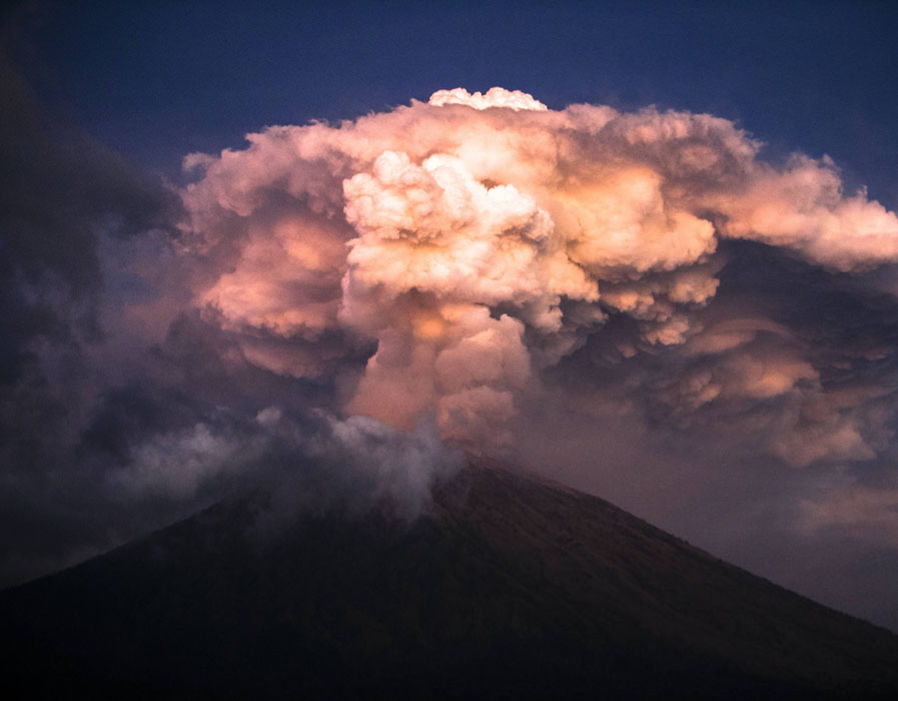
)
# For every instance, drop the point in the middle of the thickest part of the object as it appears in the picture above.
(61, 194)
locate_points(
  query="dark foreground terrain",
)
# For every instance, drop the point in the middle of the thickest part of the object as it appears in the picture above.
(509, 587)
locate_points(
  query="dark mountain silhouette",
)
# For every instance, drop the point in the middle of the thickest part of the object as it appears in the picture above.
(509, 586)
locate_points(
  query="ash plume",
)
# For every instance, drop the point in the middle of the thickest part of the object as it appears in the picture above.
(478, 242)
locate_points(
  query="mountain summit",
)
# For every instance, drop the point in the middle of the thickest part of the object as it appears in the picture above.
(508, 586)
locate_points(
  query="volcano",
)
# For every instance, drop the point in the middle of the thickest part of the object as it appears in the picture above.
(507, 586)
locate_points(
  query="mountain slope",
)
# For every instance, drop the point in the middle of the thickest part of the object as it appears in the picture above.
(509, 586)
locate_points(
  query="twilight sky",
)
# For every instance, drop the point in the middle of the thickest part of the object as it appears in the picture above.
(659, 263)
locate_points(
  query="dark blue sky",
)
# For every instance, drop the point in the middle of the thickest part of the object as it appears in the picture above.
(165, 78)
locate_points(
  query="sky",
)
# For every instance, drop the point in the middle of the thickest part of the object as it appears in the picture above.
(658, 262)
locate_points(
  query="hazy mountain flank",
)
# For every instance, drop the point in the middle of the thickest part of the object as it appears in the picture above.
(508, 587)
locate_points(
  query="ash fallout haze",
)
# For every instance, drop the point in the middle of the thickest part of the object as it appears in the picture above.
(319, 247)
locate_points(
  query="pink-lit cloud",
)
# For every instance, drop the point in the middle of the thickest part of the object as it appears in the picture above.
(477, 239)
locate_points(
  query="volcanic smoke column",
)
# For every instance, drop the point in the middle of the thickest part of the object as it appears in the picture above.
(477, 239)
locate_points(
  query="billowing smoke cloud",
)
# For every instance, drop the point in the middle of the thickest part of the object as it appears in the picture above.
(476, 242)
(313, 465)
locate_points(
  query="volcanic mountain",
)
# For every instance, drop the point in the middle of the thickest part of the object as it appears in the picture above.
(507, 586)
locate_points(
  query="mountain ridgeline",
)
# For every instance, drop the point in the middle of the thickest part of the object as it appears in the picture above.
(508, 586)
